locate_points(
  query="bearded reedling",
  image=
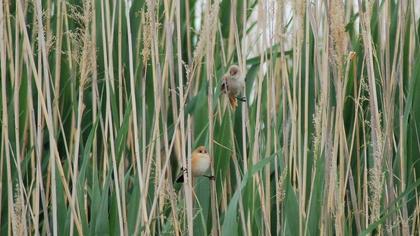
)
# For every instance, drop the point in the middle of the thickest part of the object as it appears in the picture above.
(232, 85)
(200, 162)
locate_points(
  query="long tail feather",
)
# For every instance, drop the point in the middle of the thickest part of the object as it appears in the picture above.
(233, 102)
(180, 179)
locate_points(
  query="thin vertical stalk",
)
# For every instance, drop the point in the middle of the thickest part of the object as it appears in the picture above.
(143, 218)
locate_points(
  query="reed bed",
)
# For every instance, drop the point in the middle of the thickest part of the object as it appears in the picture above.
(102, 103)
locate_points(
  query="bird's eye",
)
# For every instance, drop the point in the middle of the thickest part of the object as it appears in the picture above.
(199, 151)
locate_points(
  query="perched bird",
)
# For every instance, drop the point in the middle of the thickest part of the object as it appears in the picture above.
(200, 162)
(232, 85)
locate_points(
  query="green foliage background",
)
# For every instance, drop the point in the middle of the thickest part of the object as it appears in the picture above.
(102, 102)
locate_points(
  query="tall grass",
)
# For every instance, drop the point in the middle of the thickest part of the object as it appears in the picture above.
(102, 103)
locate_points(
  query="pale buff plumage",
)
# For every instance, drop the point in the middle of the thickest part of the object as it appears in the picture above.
(200, 164)
(232, 85)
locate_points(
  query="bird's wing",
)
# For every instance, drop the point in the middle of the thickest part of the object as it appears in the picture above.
(224, 87)
(194, 163)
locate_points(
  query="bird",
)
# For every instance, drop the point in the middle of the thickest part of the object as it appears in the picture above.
(232, 85)
(200, 162)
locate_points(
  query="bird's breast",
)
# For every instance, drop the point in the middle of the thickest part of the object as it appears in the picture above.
(200, 165)
(235, 86)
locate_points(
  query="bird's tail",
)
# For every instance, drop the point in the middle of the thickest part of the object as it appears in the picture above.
(233, 102)
(180, 178)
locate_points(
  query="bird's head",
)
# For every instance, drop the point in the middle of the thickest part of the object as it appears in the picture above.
(234, 71)
(201, 150)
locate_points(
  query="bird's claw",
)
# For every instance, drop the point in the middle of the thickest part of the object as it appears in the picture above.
(242, 99)
(212, 177)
